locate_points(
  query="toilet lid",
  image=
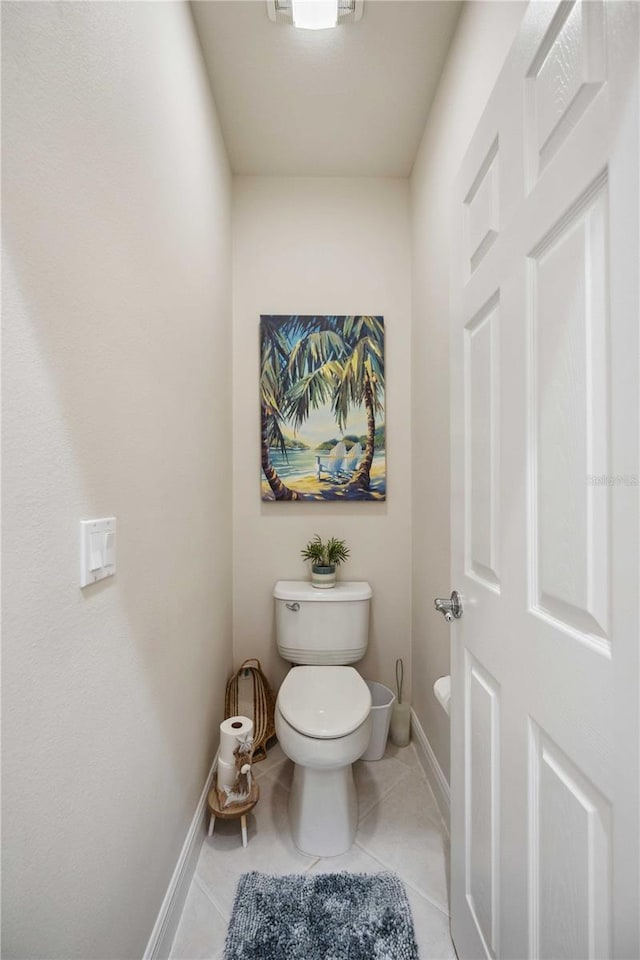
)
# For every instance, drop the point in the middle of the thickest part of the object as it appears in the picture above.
(324, 702)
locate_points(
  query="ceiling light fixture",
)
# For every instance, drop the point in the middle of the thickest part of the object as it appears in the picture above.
(315, 14)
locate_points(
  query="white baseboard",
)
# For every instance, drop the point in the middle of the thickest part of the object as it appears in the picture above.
(165, 927)
(433, 771)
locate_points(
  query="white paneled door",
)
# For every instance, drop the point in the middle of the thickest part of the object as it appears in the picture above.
(545, 498)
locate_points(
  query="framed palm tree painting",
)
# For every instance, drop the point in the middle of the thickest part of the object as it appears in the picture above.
(322, 408)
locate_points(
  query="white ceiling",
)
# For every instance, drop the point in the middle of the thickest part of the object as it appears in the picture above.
(352, 101)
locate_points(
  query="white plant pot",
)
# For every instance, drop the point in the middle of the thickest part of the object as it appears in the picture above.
(323, 578)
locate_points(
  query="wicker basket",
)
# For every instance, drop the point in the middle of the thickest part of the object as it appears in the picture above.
(263, 705)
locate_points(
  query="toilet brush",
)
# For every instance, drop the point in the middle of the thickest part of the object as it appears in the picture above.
(400, 717)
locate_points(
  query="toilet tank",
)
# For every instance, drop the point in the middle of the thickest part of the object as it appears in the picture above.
(322, 626)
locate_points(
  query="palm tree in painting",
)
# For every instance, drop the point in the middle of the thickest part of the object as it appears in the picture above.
(361, 383)
(344, 369)
(274, 382)
(314, 368)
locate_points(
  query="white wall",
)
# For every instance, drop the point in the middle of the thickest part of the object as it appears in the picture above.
(484, 35)
(117, 401)
(310, 246)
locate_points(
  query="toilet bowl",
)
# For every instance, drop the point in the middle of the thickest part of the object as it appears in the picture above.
(323, 723)
(323, 710)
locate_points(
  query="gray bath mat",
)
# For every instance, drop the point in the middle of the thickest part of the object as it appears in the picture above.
(328, 916)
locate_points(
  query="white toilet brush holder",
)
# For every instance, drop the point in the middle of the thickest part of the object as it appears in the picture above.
(400, 715)
(400, 724)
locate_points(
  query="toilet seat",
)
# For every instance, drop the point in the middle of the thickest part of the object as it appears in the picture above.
(324, 702)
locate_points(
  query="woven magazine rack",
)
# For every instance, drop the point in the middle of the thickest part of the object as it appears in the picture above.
(263, 705)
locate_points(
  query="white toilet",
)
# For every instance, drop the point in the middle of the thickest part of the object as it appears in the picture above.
(323, 710)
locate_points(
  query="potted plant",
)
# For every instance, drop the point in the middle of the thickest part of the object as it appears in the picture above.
(325, 557)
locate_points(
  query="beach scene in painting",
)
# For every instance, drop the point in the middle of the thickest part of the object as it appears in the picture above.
(322, 408)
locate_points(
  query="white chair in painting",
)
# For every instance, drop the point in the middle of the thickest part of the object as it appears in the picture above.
(336, 459)
(332, 462)
(352, 460)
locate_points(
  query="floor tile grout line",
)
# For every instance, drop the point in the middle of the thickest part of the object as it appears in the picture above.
(268, 775)
(202, 886)
(432, 903)
(410, 883)
(267, 772)
(436, 820)
(437, 808)
(441, 820)
(414, 764)
(205, 888)
(375, 803)
(383, 797)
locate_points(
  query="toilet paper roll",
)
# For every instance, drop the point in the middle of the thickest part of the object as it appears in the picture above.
(227, 774)
(442, 690)
(233, 731)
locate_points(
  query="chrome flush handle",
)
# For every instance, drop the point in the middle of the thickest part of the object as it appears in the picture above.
(450, 609)
(293, 606)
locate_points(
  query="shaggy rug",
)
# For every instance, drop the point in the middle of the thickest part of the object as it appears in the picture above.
(330, 916)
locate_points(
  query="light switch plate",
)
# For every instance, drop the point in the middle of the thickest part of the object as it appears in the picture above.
(97, 550)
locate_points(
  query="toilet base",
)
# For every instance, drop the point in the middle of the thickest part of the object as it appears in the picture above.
(323, 810)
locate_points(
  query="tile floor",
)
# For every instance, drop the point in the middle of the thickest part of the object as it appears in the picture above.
(400, 829)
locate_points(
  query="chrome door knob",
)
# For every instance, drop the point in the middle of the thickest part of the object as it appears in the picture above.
(450, 609)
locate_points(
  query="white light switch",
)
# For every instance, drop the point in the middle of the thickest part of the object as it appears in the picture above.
(96, 541)
(97, 550)
(109, 559)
